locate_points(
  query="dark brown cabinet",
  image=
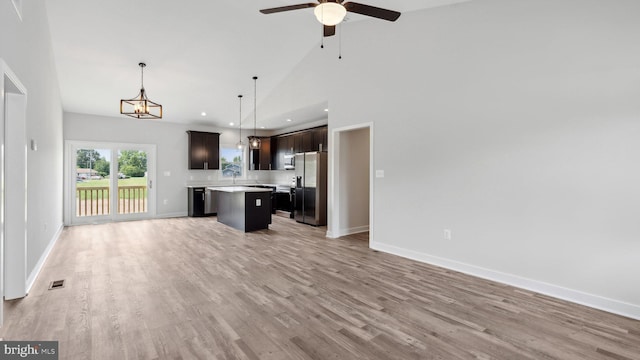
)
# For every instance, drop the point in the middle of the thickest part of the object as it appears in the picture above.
(307, 141)
(320, 139)
(260, 159)
(196, 202)
(284, 146)
(204, 150)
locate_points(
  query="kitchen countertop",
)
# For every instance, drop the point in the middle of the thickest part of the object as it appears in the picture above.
(232, 185)
(234, 189)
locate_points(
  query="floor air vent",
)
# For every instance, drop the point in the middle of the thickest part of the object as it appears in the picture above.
(58, 284)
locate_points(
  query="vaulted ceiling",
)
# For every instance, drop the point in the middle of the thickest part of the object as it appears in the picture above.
(200, 54)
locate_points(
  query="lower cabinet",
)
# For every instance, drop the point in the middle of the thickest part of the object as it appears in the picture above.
(202, 202)
(196, 201)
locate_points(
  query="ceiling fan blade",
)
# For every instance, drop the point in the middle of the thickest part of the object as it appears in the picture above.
(372, 11)
(329, 30)
(287, 8)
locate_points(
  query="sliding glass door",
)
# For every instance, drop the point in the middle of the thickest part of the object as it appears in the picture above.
(110, 182)
(93, 188)
(133, 182)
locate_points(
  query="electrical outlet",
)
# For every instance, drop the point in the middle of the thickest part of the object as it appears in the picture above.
(447, 234)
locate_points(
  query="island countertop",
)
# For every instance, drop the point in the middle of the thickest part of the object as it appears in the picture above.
(235, 189)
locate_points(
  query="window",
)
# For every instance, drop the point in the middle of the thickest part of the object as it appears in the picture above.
(231, 162)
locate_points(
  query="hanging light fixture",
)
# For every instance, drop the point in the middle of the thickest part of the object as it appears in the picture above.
(330, 13)
(240, 144)
(254, 141)
(140, 107)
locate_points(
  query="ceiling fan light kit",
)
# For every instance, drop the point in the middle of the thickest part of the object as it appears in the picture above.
(330, 13)
(140, 107)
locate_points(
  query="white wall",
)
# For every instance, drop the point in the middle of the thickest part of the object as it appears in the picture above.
(353, 182)
(513, 123)
(26, 48)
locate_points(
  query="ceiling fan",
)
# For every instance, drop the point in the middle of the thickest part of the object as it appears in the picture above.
(331, 12)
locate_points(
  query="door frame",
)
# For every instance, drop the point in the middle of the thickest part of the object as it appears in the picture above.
(70, 181)
(13, 225)
(334, 190)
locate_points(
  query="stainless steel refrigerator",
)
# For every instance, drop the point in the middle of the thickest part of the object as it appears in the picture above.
(311, 188)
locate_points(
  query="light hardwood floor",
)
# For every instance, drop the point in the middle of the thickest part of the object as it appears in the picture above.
(191, 288)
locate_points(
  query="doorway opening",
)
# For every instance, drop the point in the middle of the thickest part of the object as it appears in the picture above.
(351, 181)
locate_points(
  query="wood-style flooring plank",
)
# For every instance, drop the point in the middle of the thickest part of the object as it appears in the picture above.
(192, 288)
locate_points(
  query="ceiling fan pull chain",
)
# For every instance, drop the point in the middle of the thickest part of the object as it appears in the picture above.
(340, 41)
(322, 34)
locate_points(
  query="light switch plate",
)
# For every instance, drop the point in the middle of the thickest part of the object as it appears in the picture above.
(258, 202)
(167, 173)
(379, 173)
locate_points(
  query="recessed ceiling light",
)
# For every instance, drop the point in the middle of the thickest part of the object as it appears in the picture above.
(326, 109)
(288, 120)
(231, 124)
(261, 127)
(203, 113)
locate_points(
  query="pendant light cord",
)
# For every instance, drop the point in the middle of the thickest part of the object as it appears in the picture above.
(255, 103)
(240, 121)
(142, 65)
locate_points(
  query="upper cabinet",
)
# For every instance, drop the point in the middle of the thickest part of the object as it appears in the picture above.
(320, 139)
(261, 159)
(204, 150)
(284, 146)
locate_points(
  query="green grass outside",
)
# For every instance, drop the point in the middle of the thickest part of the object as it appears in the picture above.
(140, 181)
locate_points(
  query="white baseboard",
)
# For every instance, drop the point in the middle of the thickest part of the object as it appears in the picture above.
(157, 216)
(171, 215)
(43, 258)
(575, 296)
(348, 231)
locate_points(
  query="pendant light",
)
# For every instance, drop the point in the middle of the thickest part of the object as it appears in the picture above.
(240, 144)
(254, 141)
(140, 107)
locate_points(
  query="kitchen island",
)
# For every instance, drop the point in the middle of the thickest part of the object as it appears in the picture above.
(244, 208)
